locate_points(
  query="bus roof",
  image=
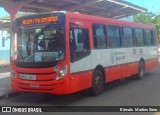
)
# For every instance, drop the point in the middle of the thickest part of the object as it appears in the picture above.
(116, 8)
(96, 19)
(111, 21)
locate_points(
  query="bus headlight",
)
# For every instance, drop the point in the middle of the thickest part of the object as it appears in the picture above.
(12, 73)
(62, 73)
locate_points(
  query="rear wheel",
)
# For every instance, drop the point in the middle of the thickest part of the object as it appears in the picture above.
(97, 82)
(141, 70)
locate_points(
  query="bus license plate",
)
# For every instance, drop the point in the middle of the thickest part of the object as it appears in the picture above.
(28, 77)
(34, 86)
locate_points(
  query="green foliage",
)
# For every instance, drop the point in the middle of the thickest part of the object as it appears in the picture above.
(149, 18)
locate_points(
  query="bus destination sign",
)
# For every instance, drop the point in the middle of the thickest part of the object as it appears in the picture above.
(40, 20)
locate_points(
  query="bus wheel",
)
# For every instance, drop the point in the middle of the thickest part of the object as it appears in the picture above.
(97, 82)
(141, 71)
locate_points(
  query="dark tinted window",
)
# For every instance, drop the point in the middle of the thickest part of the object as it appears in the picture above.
(114, 36)
(153, 38)
(139, 37)
(127, 37)
(148, 37)
(99, 34)
(79, 43)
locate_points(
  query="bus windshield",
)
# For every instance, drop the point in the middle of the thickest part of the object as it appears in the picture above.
(40, 45)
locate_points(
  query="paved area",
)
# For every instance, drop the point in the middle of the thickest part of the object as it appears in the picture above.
(4, 63)
(5, 83)
(128, 92)
(125, 92)
(5, 89)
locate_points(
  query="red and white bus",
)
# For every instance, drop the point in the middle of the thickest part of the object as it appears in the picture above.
(64, 52)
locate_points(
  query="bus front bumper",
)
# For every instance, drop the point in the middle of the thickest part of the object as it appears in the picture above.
(54, 87)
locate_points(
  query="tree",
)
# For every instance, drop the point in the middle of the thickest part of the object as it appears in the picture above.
(149, 18)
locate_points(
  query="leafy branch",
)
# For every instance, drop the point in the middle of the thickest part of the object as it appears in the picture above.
(149, 18)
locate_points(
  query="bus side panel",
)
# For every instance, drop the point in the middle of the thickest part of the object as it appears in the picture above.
(152, 61)
(148, 65)
(154, 57)
(81, 70)
(113, 73)
(126, 70)
(119, 72)
(151, 64)
(134, 68)
(80, 81)
(129, 69)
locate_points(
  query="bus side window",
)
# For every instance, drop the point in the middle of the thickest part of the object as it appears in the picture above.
(79, 44)
(128, 37)
(114, 36)
(153, 37)
(148, 37)
(139, 37)
(99, 34)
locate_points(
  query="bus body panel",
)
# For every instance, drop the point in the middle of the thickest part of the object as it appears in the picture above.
(118, 63)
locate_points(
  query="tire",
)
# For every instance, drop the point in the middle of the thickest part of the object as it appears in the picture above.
(141, 71)
(97, 82)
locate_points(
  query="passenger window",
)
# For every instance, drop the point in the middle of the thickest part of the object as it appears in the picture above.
(148, 37)
(99, 34)
(153, 38)
(139, 37)
(127, 37)
(79, 44)
(114, 36)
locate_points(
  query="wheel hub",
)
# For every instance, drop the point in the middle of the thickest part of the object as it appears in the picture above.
(98, 82)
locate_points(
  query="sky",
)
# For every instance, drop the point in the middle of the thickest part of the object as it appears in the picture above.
(151, 5)
(3, 12)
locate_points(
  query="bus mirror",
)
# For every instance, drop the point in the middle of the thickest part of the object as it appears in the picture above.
(80, 37)
(3, 41)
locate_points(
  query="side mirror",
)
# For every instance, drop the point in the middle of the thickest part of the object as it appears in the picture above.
(80, 37)
(3, 41)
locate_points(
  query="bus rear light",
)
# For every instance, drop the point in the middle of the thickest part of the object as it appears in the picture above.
(62, 73)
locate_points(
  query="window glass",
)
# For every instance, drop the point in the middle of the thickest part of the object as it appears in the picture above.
(127, 37)
(99, 36)
(153, 38)
(38, 46)
(139, 37)
(114, 36)
(148, 37)
(79, 43)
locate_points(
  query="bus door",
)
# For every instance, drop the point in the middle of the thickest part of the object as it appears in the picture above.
(80, 57)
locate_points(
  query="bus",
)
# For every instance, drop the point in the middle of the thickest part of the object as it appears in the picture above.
(66, 52)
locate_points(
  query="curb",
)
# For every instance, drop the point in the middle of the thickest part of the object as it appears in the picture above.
(6, 65)
(13, 94)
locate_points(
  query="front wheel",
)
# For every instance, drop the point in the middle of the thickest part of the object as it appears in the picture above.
(97, 82)
(141, 71)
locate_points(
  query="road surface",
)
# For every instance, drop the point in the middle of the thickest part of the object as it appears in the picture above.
(128, 92)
